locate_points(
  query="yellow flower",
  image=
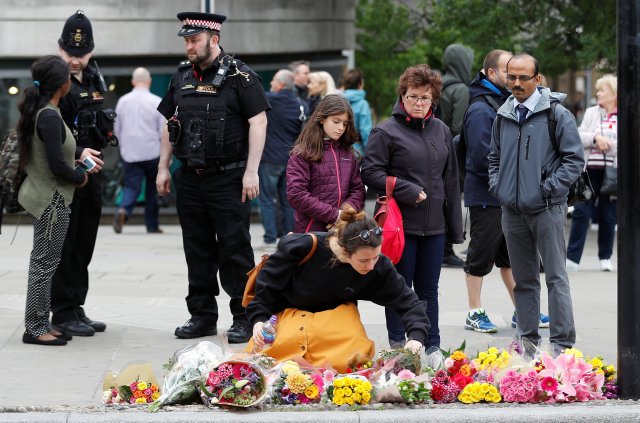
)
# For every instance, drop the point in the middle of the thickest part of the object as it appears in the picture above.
(596, 362)
(574, 351)
(458, 355)
(141, 400)
(495, 397)
(366, 396)
(338, 383)
(358, 389)
(298, 382)
(347, 392)
(356, 397)
(290, 367)
(338, 400)
(142, 386)
(599, 371)
(339, 392)
(311, 392)
(366, 385)
(492, 350)
(610, 368)
(465, 398)
(155, 395)
(348, 400)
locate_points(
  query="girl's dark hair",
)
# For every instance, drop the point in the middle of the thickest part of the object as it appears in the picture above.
(420, 76)
(309, 144)
(349, 226)
(49, 73)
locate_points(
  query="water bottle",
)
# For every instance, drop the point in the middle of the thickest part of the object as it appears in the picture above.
(269, 331)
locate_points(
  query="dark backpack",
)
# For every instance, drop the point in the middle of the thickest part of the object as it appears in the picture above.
(459, 141)
(11, 176)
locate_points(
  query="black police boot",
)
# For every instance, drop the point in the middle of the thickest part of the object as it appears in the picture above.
(95, 324)
(75, 328)
(196, 329)
(452, 261)
(239, 333)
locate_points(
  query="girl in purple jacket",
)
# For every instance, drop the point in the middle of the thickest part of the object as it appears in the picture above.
(323, 172)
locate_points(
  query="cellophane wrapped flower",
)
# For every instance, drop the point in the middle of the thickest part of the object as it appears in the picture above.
(479, 392)
(350, 390)
(492, 360)
(360, 364)
(297, 386)
(414, 392)
(398, 360)
(610, 387)
(443, 389)
(233, 383)
(575, 377)
(137, 392)
(185, 368)
(460, 368)
(520, 387)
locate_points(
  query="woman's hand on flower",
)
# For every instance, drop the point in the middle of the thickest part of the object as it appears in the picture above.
(413, 346)
(258, 340)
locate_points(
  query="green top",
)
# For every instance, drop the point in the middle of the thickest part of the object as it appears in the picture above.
(38, 188)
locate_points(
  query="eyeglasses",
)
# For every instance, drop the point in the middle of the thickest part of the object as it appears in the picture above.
(522, 78)
(415, 99)
(366, 234)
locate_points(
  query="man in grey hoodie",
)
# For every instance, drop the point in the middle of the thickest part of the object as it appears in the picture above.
(530, 174)
(453, 104)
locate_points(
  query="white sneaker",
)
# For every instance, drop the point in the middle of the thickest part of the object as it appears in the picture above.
(606, 265)
(572, 266)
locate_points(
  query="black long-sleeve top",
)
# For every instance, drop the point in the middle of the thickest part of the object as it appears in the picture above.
(323, 284)
(50, 129)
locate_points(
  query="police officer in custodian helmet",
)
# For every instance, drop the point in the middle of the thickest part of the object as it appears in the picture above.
(83, 111)
(216, 110)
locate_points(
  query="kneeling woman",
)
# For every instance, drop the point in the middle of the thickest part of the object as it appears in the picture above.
(316, 302)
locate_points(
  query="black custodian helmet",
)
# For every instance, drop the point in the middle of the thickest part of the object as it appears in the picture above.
(77, 35)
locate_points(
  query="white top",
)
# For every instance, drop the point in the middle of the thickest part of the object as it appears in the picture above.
(139, 125)
(529, 103)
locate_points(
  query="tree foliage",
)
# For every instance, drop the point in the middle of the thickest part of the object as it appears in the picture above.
(562, 34)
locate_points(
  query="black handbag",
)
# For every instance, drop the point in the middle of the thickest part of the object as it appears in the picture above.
(609, 180)
(581, 190)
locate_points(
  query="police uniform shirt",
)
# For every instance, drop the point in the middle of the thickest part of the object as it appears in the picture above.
(85, 94)
(245, 98)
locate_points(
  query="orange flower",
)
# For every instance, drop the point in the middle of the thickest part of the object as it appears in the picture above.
(138, 394)
(465, 370)
(458, 355)
(154, 388)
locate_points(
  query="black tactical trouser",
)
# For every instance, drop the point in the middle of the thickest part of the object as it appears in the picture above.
(215, 233)
(71, 281)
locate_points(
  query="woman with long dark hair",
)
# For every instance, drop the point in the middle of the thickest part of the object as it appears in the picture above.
(47, 151)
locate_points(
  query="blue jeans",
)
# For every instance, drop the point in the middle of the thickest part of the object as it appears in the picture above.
(134, 174)
(273, 192)
(420, 266)
(582, 212)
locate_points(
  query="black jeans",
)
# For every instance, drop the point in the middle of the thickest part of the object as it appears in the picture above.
(215, 233)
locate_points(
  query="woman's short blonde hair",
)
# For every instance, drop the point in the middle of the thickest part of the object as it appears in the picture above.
(326, 81)
(609, 80)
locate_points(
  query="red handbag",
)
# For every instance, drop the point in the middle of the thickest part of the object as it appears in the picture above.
(389, 219)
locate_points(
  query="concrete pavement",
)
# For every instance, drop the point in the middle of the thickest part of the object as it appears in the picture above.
(138, 285)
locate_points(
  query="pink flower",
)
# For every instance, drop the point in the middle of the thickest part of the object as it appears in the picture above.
(328, 376)
(406, 374)
(316, 378)
(549, 384)
(134, 386)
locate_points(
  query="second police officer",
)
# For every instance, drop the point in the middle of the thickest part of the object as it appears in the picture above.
(83, 111)
(216, 110)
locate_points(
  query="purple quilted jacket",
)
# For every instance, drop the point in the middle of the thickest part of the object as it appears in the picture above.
(317, 190)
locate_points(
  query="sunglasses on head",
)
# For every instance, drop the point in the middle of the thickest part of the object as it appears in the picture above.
(366, 234)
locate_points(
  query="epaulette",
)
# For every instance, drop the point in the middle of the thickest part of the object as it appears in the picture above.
(184, 64)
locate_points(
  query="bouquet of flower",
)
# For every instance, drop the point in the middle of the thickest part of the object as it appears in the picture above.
(136, 392)
(460, 368)
(297, 386)
(443, 389)
(478, 392)
(492, 360)
(186, 367)
(233, 383)
(398, 360)
(519, 387)
(573, 376)
(610, 387)
(360, 364)
(350, 390)
(414, 392)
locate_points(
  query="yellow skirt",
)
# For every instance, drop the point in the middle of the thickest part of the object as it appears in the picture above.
(327, 338)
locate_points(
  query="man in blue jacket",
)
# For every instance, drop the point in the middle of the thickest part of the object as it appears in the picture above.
(288, 113)
(487, 246)
(530, 174)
